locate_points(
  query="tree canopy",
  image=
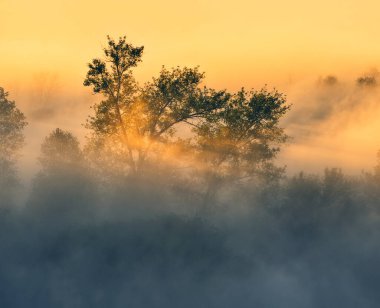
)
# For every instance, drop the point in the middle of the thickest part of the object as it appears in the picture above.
(232, 135)
(12, 124)
(60, 150)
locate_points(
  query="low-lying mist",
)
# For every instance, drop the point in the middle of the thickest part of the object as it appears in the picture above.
(308, 241)
(77, 230)
(331, 123)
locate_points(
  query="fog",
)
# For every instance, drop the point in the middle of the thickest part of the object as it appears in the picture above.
(307, 241)
(213, 215)
(330, 124)
(71, 238)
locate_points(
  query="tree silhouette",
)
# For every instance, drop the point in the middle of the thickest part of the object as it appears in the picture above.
(60, 151)
(12, 124)
(233, 136)
(242, 140)
(132, 119)
(366, 81)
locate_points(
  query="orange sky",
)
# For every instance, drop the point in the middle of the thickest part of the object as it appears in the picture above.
(237, 43)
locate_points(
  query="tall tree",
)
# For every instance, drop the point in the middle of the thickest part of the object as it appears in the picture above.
(234, 136)
(132, 120)
(12, 124)
(112, 77)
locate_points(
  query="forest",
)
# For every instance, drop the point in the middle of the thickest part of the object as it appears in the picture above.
(176, 199)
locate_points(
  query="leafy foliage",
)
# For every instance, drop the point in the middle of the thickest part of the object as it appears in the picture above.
(12, 124)
(234, 135)
(238, 142)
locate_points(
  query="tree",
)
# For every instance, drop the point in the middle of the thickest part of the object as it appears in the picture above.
(60, 151)
(112, 77)
(63, 189)
(133, 120)
(366, 81)
(242, 139)
(12, 124)
(233, 136)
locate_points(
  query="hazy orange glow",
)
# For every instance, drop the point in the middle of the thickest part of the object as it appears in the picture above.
(237, 43)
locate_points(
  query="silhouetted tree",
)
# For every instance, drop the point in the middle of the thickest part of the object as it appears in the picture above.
(234, 136)
(243, 138)
(131, 121)
(12, 124)
(112, 77)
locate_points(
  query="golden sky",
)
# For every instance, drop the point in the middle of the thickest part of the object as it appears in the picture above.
(236, 42)
(45, 45)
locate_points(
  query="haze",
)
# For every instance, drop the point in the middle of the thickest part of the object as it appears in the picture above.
(45, 46)
(173, 194)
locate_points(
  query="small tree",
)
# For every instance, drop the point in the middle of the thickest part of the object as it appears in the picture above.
(242, 139)
(12, 124)
(63, 188)
(60, 151)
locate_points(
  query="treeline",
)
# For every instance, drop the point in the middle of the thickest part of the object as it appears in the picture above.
(172, 128)
(175, 200)
(306, 241)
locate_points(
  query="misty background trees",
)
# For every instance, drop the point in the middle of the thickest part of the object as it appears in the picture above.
(64, 187)
(12, 123)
